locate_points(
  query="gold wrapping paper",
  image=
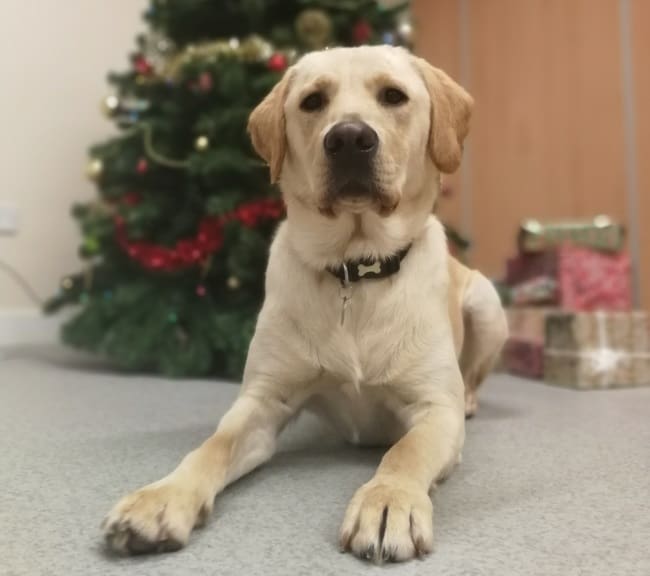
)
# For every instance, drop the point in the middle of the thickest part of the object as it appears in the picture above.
(597, 349)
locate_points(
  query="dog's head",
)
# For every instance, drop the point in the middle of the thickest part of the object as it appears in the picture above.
(356, 129)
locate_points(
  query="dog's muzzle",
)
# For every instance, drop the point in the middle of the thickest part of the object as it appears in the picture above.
(351, 147)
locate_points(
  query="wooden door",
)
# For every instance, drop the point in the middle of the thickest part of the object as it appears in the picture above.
(548, 135)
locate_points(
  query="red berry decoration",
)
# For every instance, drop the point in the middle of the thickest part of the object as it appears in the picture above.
(200, 290)
(208, 239)
(277, 62)
(155, 262)
(142, 66)
(142, 166)
(362, 32)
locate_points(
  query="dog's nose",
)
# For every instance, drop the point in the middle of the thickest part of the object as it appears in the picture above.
(351, 140)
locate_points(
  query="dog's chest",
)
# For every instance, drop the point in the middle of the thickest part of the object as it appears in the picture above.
(375, 337)
(364, 415)
(364, 335)
(379, 359)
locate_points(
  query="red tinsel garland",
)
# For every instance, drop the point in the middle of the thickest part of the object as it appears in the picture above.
(208, 240)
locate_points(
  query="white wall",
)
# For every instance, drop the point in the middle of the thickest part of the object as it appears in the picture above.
(54, 56)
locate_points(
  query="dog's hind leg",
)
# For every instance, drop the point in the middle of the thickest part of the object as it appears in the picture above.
(485, 332)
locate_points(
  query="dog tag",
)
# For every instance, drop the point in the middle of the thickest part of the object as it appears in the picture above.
(344, 306)
(345, 293)
(374, 268)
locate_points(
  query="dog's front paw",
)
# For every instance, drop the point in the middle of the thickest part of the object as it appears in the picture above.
(156, 518)
(388, 521)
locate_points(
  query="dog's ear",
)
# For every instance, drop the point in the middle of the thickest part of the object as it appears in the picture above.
(451, 109)
(266, 126)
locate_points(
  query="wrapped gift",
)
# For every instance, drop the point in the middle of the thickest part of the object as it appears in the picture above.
(597, 350)
(586, 279)
(525, 267)
(601, 233)
(528, 322)
(590, 280)
(540, 290)
(523, 357)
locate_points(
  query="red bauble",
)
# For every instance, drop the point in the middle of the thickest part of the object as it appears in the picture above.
(142, 166)
(277, 62)
(131, 198)
(204, 83)
(142, 66)
(362, 32)
(201, 291)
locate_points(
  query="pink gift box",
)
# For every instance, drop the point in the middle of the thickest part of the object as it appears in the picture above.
(587, 279)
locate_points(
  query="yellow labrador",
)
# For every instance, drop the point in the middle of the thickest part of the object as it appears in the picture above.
(367, 320)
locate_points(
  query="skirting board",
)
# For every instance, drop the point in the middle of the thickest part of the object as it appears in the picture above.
(29, 326)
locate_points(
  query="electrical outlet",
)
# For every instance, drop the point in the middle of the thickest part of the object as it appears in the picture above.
(8, 219)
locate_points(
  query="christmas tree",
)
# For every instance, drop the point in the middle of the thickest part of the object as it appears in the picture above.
(174, 248)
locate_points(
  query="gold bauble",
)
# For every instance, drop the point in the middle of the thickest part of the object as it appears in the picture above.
(111, 105)
(94, 169)
(233, 283)
(202, 143)
(314, 28)
(67, 283)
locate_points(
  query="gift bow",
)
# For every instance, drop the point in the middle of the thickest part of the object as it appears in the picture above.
(603, 359)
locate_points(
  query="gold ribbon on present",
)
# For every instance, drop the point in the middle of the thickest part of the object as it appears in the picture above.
(601, 233)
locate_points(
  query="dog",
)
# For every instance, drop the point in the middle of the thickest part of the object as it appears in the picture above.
(367, 320)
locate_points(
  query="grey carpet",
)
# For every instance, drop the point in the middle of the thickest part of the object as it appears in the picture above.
(553, 481)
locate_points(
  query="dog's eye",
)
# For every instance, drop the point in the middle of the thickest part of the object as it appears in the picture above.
(392, 97)
(313, 102)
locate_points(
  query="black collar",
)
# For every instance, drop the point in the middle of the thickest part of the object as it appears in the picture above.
(368, 268)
